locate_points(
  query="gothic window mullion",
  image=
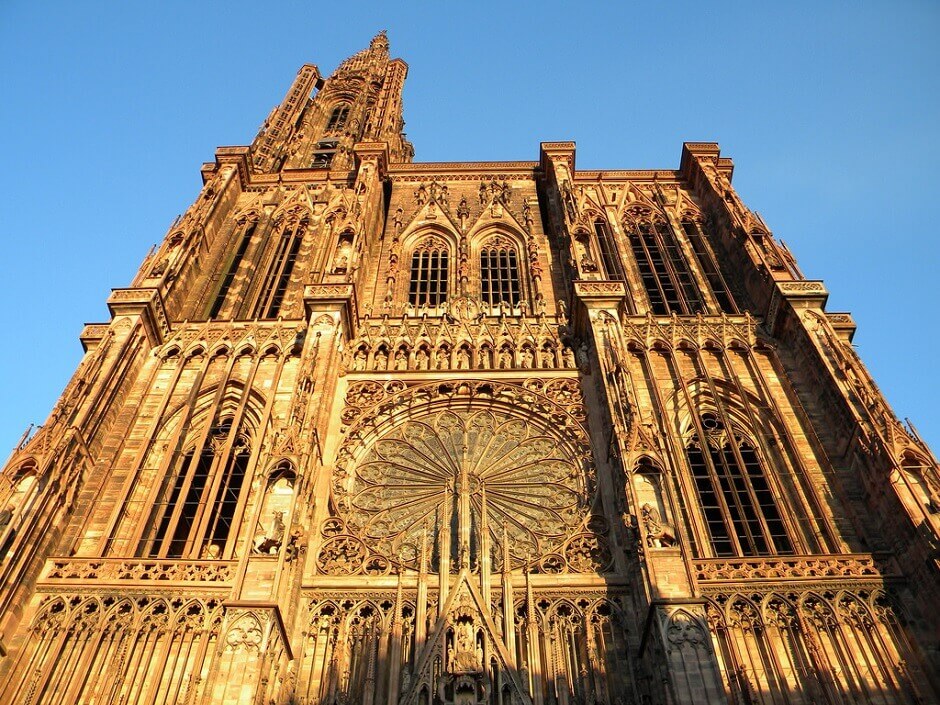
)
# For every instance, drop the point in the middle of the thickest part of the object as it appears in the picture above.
(153, 538)
(514, 282)
(774, 524)
(225, 498)
(738, 496)
(608, 248)
(286, 270)
(486, 270)
(233, 267)
(203, 525)
(677, 268)
(445, 264)
(709, 264)
(185, 537)
(766, 537)
(654, 292)
(264, 295)
(713, 478)
(193, 460)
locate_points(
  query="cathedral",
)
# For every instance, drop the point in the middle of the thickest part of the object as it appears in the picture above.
(369, 430)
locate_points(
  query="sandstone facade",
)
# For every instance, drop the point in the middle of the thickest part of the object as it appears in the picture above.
(369, 430)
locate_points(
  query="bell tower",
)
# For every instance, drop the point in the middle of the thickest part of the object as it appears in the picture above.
(321, 120)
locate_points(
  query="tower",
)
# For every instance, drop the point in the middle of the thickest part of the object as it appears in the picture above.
(363, 430)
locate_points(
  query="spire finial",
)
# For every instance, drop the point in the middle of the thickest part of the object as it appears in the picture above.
(380, 41)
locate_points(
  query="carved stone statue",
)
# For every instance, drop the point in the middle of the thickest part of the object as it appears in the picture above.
(381, 359)
(401, 360)
(528, 358)
(271, 541)
(359, 360)
(505, 359)
(568, 356)
(658, 533)
(421, 359)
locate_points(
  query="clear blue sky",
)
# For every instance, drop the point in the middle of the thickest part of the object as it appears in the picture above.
(830, 112)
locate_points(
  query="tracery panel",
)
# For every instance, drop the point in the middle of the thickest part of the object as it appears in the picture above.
(460, 472)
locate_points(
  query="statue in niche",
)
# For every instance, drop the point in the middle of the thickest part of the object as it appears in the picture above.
(270, 541)
(421, 359)
(343, 252)
(528, 358)
(505, 358)
(465, 655)
(401, 359)
(658, 533)
(567, 355)
(359, 360)
(463, 359)
(440, 359)
(547, 357)
(381, 359)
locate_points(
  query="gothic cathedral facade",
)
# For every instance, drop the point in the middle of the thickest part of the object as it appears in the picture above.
(369, 430)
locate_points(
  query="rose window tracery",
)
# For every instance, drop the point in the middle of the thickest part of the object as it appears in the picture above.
(445, 477)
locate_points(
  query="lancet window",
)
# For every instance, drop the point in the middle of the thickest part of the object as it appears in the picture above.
(196, 508)
(735, 497)
(663, 269)
(608, 250)
(499, 274)
(248, 230)
(709, 266)
(429, 274)
(279, 272)
(338, 117)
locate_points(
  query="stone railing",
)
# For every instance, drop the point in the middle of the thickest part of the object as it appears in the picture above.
(118, 570)
(800, 568)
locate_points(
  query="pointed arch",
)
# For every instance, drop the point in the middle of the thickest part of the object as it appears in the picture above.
(246, 226)
(432, 268)
(498, 252)
(664, 271)
(737, 505)
(292, 223)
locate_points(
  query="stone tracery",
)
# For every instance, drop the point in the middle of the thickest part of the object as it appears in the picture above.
(474, 467)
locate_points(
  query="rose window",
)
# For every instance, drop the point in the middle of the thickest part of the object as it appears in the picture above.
(446, 477)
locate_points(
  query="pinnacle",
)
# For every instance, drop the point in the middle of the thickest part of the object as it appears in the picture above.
(380, 38)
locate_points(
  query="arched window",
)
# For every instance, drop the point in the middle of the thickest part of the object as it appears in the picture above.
(248, 230)
(709, 265)
(196, 508)
(278, 276)
(608, 248)
(741, 516)
(499, 274)
(665, 273)
(338, 117)
(429, 274)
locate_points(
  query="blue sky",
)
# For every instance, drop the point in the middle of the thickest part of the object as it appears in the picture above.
(829, 110)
